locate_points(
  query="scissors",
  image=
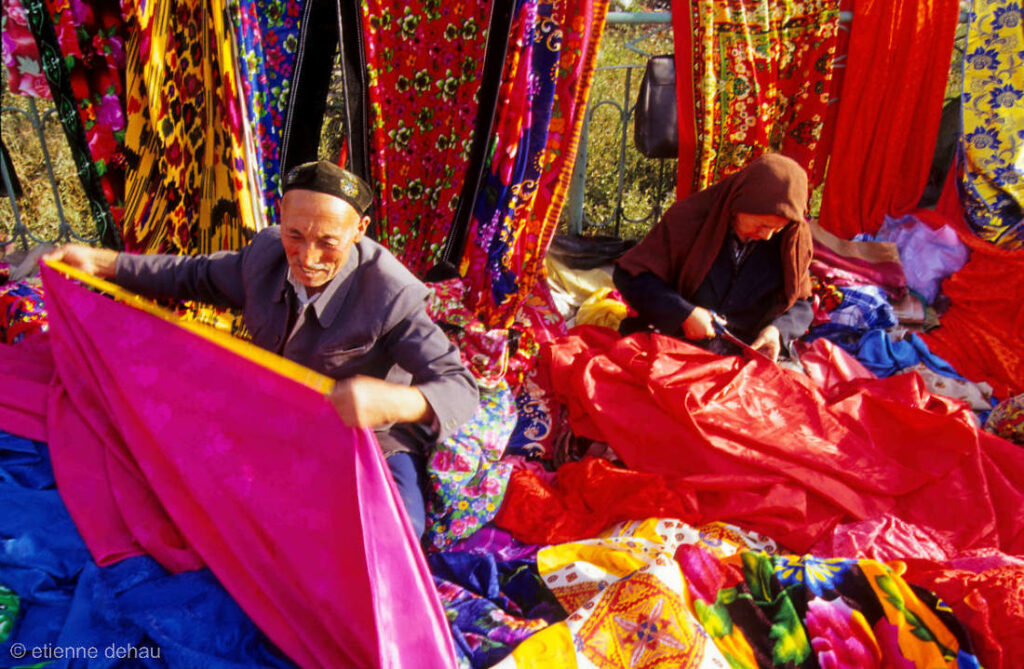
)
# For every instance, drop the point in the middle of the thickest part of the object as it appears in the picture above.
(719, 323)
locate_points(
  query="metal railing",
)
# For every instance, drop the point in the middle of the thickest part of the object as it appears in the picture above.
(20, 233)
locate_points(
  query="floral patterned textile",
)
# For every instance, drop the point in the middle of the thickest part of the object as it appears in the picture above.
(762, 78)
(534, 149)
(21, 55)
(495, 356)
(22, 311)
(189, 188)
(659, 593)
(423, 63)
(992, 185)
(467, 481)
(82, 52)
(540, 420)
(1007, 419)
(491, 605)
(267, 32)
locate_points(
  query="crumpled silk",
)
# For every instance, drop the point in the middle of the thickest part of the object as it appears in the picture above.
(928, 255)
(762, 446)
(893, 86)
(167, 443)
(982, 333)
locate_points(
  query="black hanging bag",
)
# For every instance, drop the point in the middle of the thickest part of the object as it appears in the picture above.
(656, 123)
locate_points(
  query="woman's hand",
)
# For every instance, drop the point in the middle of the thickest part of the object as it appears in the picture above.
(699, 325)
(768, 342)
(101, 263)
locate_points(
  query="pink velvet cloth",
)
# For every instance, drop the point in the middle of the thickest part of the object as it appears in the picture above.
(168, 444)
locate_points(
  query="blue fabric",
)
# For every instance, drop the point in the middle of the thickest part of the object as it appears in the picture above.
(863, 308)
(492, 606)
(135, 606)
(885, 357)
(409, 470)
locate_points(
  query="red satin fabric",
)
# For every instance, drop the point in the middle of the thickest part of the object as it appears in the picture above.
(764, 448)
(982, 333)
(889, 111)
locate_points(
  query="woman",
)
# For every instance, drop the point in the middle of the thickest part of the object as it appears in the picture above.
(740, 250)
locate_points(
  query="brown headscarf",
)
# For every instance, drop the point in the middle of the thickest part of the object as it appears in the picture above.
(681, 248)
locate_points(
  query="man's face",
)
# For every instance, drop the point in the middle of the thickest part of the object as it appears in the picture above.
(761, 227)
(318, 231)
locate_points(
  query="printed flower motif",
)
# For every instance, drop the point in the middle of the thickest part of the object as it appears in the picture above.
(818, 575)
(1007, 175)
(838, 641)
(983, 59)
(1007, 17)
(1005, 96)
(984, 138)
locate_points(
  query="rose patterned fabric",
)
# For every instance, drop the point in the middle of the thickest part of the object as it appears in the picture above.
(267, 35)
(660, 593)
(82, 52)
(21, 311)
(21, 55)
(548, 75)
(992, 184)
(423, 66)
(189, 187)
(758, 77)
(467, 479)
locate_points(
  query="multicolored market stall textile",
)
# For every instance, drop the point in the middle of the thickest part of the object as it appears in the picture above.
(532, 155)
(82, 52)
(992, 183)
(752, 77)
(180, 457)
(661, 593)
(423, 63)
(192, 186)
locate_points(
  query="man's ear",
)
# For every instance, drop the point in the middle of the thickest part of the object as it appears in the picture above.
(364, 223)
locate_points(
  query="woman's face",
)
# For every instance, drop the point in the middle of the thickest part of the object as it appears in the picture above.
(757, 227)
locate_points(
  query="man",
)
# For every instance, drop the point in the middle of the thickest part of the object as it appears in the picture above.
(318, 292)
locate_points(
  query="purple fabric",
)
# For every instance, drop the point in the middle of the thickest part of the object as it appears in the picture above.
(928, 255)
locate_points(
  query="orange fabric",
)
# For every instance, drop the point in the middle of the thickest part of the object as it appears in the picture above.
(982, 334)
(889, 111)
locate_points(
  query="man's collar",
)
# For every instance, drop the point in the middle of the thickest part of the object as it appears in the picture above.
(327, 303)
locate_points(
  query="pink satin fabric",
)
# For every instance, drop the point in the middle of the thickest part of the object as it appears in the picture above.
(168, 444)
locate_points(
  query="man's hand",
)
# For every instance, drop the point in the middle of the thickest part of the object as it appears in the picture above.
(98, 262)
(699, 325)
(768, 342)
(365, 401)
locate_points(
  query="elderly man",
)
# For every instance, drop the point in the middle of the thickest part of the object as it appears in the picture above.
(318, 292)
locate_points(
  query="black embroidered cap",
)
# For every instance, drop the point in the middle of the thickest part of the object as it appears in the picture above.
(325, 177)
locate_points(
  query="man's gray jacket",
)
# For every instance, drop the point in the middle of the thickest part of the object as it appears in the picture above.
(370, 319)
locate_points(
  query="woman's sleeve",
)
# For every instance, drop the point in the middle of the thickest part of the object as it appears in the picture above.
(654, 301)
(794, 322)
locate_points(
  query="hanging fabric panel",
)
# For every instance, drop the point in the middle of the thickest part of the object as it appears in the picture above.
(758, 77)
(25, 74)
(889, 111)
(992, 183)
(218, 457)
(423, 63)
(82, 53)
(267, 34)
(535, 144)
(189, 187)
